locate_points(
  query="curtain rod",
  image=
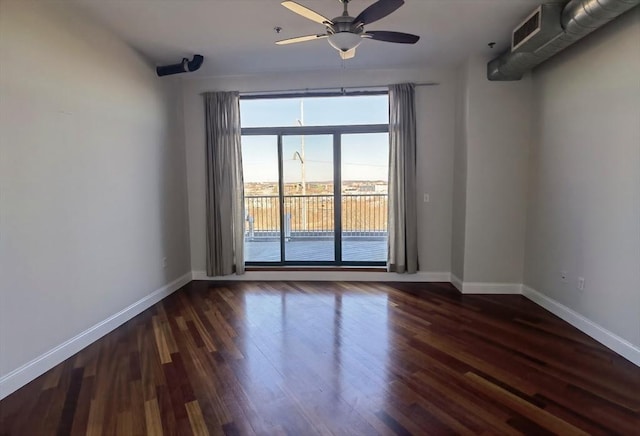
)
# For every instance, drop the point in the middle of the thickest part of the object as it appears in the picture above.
(324, 92)
(336, 88)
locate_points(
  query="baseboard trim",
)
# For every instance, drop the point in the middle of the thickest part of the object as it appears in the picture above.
(491, 288)
(41, 364)
(344, 276)
(621, 346)
(456, 282)
(485, 288)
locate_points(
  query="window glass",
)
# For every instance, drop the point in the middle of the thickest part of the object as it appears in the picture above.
(261, 198)
(315, 111)
(365, 174)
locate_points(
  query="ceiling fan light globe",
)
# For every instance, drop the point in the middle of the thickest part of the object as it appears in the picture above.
(344, 41)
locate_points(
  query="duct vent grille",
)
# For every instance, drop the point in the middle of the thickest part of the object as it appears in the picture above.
(527, 30)
(540, 27)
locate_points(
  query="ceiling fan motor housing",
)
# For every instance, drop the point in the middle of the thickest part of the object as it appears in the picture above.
(344, 35)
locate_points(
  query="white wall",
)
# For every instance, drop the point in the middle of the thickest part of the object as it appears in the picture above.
(92, 179)
(436, 127)
(498, 135)
(584, 200)
(491, 177)
(459, 218)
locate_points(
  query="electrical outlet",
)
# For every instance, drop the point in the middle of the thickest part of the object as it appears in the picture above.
(564, 276)
(426, 198)
(164, 262)
(581, 283)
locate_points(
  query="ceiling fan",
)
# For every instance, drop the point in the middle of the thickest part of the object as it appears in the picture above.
(345, 33)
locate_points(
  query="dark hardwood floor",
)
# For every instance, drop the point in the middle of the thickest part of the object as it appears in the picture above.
(334, 358)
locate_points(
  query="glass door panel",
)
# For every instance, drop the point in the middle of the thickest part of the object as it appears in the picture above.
(261, 199)
(308, 176)
(365, 174)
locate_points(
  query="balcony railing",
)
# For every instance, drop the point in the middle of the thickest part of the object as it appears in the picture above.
(312, 216)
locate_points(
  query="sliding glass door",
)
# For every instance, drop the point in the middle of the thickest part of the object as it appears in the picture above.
(364, 172)
(260, 166)
(316, 199)
(308, 176)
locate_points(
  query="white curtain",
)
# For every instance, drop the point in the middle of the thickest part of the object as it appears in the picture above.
(225, 187)
(403, 220)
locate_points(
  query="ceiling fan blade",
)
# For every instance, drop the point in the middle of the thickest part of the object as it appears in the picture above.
(377, 11)
(306, 12)
(300, 39)
(349, 54)
(399, 37)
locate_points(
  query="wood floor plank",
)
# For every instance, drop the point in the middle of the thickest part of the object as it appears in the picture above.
(161, 341)
(540, 416)
(152, 417)
(198, 425)
(325, 358)
(94, 422)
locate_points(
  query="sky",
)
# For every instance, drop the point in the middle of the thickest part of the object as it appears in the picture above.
(364, 156)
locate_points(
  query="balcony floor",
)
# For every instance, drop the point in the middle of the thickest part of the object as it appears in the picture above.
(353, 250)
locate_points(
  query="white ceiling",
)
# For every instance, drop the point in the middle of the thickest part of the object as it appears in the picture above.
(237, 37)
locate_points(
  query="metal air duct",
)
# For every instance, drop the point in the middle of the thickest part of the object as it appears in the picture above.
(578, 19)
